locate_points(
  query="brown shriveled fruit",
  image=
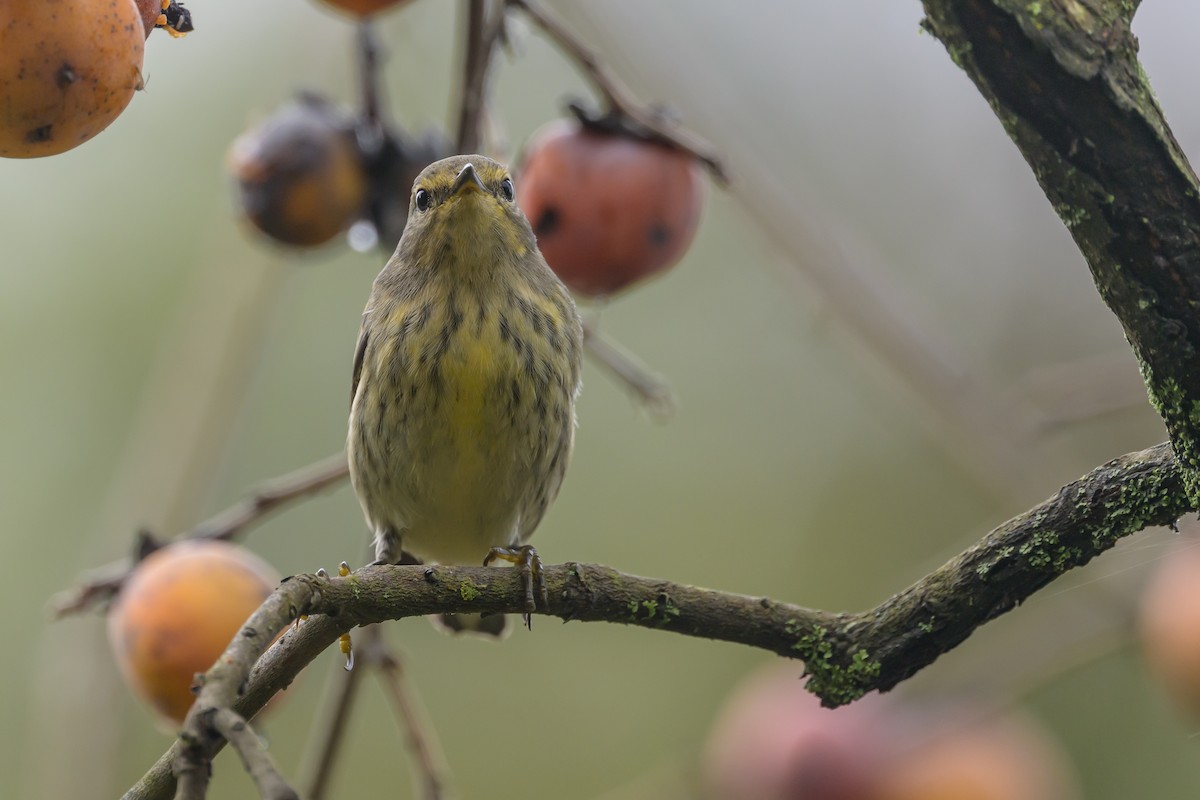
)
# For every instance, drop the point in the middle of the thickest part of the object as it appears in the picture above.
(67, 69)
(608, 210)
(299, 175)
(176, 614)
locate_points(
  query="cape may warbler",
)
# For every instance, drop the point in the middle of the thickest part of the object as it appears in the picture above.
(462, 411)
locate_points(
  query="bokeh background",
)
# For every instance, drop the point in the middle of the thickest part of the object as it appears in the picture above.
(883, 343)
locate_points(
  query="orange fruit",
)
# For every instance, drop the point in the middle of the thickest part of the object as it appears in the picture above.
(1169, 623)
(979, 758)
(608, 210)
(68, 68)
(178, 612)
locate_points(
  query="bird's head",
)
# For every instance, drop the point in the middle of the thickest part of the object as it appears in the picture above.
(465, 207)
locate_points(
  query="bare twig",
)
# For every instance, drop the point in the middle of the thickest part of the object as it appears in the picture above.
(103, 583)
(651, 390)
(484, 24)
(373, 124)
(272, 496)
(419, 736)
(345, 685)
(191, 779)
(258, 763)
(616, 95)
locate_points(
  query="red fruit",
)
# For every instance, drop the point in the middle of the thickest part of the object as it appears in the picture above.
(1169, 622)
(68, 68)
(608, 210)
(178, 612)
(363, 8)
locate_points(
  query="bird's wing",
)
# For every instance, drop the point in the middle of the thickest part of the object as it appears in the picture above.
(360, 354)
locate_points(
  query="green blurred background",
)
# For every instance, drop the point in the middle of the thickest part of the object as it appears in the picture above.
(883, 343)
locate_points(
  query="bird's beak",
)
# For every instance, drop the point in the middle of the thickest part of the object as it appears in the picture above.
(468, 179)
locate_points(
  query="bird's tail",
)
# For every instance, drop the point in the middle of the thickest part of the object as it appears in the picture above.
(491, 626)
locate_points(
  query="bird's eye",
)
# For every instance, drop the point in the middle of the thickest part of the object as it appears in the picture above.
(424, 200)
(506, 189)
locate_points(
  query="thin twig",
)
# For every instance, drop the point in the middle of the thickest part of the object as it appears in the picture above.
(103, 583)
(369, 60)
(419, 736)
(191, 779)
(651, 390)
(273, 495)
(258, 763)
(616, 95)
(484, 24)
(345, 684)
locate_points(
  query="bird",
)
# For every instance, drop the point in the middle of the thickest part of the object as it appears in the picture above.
(465, 380)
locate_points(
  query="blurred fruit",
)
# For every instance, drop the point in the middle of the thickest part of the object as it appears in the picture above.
(391, 170)
(971, 756)
(299, 174)
(363, 8)
(774, 741)
(67, 69)
(608, 210)
(178, 611)
(1169, 622)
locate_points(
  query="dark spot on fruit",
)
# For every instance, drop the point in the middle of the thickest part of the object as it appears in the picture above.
(659, 235)
(66, 76)
(547, 222)
(41, 134)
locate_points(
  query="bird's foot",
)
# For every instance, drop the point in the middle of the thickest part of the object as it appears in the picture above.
(526, 558)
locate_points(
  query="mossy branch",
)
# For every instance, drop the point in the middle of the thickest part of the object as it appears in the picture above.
(845, 655)
(1064, 79)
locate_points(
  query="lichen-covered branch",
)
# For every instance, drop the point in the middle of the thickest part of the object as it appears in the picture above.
(1083, 519)
(845, 655)
(1064, 79)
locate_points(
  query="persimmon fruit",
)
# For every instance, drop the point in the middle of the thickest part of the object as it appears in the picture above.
(774, 741)
(1169, 624)
(979, 757)
(609, 210)
(178, 612)
(68, 68)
